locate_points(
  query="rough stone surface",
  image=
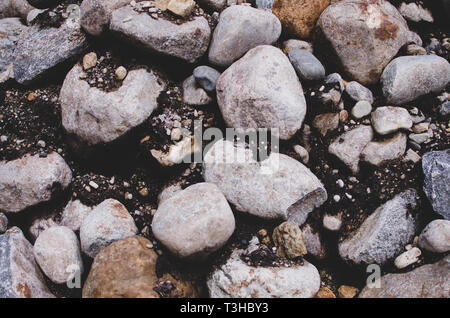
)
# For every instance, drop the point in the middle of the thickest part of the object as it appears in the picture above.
(127, 269)
(10, 28)
(240, 29)
(313, 241)
(194, 222)
(73, 214)
(96, 116)
(288, 239)
(41, 49)
(236, 279)
(57, 252)
(30, 180)
(278, 187)
(349, 145)
(299, 17)
(436, 237)
(361, 109)
(384, 234)
(206, 77)
(294, 44)
(247, 101)
(194, 94)
(364, 36)
(436, 168)
(15, 8)
(20, 277)
(407, 258)
(3, 223)
(187, 41)
(427, 281)
(377, 152)
(358, 92)
(326, 122)
(389, 119)
(40, 225)
(307, 66)
(409, 77)
(108, 222)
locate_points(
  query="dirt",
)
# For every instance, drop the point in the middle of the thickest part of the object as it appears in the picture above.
(29, 115)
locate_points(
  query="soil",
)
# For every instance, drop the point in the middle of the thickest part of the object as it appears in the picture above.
(30, 115)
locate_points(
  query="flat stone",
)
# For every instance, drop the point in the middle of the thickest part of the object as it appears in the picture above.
(307, 66)
(378, 152)
(361, 109)
(435, 237)
(389, 119)
(10, 28)
(247, 101)
(313, 241)
(240, 29)
(194, 222)
(194, 94)
(384, 234)
(30, 180)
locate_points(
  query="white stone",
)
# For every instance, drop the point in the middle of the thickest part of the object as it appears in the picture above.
(436, 237)
(407, 258)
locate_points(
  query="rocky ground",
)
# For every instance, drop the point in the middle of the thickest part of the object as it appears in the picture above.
(99, 104)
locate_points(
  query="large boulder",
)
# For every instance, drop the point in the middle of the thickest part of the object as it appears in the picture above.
(262, 90)
(187, 41)
(384, 234)
(299, 17)
(95, 116)
(194, 222)
(277, 187)
(96, 15)
(427, 281)
(127, 269)
(436, 168)
(240, 29)
(20, 277)
(30, 180)
(409, 77)
(236, 279)
(108, 222)
(363, 36)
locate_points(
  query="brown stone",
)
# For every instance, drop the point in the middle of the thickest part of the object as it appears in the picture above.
(326, 122)
(298, 17)
(347, 291)
(127, 269)
(289, 240)
(325, 292)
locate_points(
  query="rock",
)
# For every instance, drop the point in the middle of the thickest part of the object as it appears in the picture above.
(389, 119)
(178, 152)
(302, 152)
(194, 94)
(412, 156)
(168, 192)
(361, 109)
(421, 138)
(407, 258)
(335, 78)
(384, 233)
(362, 36)
(288, 239)
(325, 292)
(277, 187)
(57, 252)
(313, 242)
(249, 102)
(40, 225)
(20, 277)
(414, 49)
(299, 17)
(3, 223)
(421, 127)
(347, 291)
(206, 77)
(427, 281)
(294, 44)
(10, 28)
(307, 66)
(39, 50)
(409, 77)
(15, 8)
(95, 116)
(358, 93)
(30, 180)
(108, 222)
(240, 29)
(187, 41)
(444, 109)
(332, 222)
(127, 269)
(182, 8)
(89, 60)
(236, 279)
(349, 145)
(264, 4)
(436, 168)
(121, 72)
(73, 214)
(378, 152)
(194, 222)
(415, 13)
(326, 122)
(96, 15)
(215, 4)
(436, 237)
